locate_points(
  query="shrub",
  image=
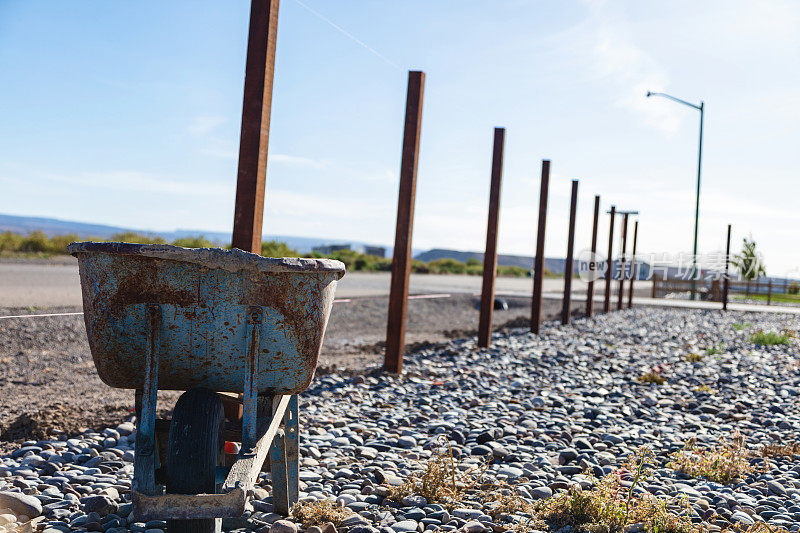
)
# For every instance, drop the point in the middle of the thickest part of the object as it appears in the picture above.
(513, 271)
(652, 377)
(58, 243)
(610, 507)
(694, 357)
(319, 513)
(794, 288)
(9, 241)
(277, 249)
(769, 338)
(714, 350)
(447, 266)
(727, 462)
(35, 242)
(192, 242)
(136, 238)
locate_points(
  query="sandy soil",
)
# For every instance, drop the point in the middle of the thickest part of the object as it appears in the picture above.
(48, 384)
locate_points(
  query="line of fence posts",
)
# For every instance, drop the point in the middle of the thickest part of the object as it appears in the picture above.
(634, 265)
(538, 261)
(401, 259)
(726, 278)
(568, 266)
(490, 255)
(609, 261)
(593, 260)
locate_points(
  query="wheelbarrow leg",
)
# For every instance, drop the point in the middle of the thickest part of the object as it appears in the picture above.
(144, 464)
(277, 460)
(291, 421)
(284, 460)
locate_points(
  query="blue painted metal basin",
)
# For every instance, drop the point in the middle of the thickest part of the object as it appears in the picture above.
(205, 295)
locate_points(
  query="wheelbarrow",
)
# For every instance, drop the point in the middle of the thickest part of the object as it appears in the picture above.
(209, 322)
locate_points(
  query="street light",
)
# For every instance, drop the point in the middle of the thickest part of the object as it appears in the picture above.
(699, 164)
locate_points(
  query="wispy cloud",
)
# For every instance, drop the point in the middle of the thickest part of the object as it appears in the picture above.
(603, 47)
(140, 182)
(203, 125)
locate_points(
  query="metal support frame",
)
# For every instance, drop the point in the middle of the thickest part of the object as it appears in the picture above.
(401, 259)
(490, 256)
(609, 262)
(568, 266)
(593, 260)
(144, 465)
(538, 260)
(262, 439)
(633, 264)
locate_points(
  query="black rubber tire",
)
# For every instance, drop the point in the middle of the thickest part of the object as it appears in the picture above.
(195, 450)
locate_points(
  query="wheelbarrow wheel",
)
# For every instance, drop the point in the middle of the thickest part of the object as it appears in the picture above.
(195, 450)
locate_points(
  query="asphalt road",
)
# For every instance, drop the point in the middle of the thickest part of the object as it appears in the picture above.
(57, 284)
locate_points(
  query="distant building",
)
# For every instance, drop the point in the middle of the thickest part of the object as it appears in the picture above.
(380, 251)
(328, 249)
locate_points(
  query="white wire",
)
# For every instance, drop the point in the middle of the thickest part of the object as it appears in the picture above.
(348, 34)
(37, 316)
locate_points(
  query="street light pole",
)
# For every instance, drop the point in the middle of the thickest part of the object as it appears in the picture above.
(700, 108)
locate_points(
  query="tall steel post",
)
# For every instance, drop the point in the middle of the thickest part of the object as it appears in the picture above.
(248, 215)
(609, 261)
(726, 279)
(622, 261)
(568, 266)
(633, 264)
(593, 266)
(538, 261)
(401, 259)
(490, 256)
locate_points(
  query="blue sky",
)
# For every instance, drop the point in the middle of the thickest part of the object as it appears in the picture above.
(128, 113)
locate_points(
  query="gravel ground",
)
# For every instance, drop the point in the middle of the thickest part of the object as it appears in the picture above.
(48, 383)
(540, 413)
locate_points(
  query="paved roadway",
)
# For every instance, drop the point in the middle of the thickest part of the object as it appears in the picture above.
(56, 284)
(52, 284)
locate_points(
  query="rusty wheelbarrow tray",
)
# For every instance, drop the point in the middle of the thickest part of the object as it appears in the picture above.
(161, 316)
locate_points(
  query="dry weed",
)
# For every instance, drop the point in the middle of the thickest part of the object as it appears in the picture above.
(319, 513)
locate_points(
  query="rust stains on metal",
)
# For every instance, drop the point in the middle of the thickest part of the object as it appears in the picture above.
(188, 506)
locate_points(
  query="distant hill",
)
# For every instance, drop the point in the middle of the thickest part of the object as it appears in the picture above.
(53, 226)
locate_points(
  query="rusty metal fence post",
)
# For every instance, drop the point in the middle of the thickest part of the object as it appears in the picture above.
(622, 259)
(401, 259)
(248, 215)
(573, 206)
(490, 256)
(726, 281)
(633, 265)
(538, 261)
(609, 261)
(593, 260)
